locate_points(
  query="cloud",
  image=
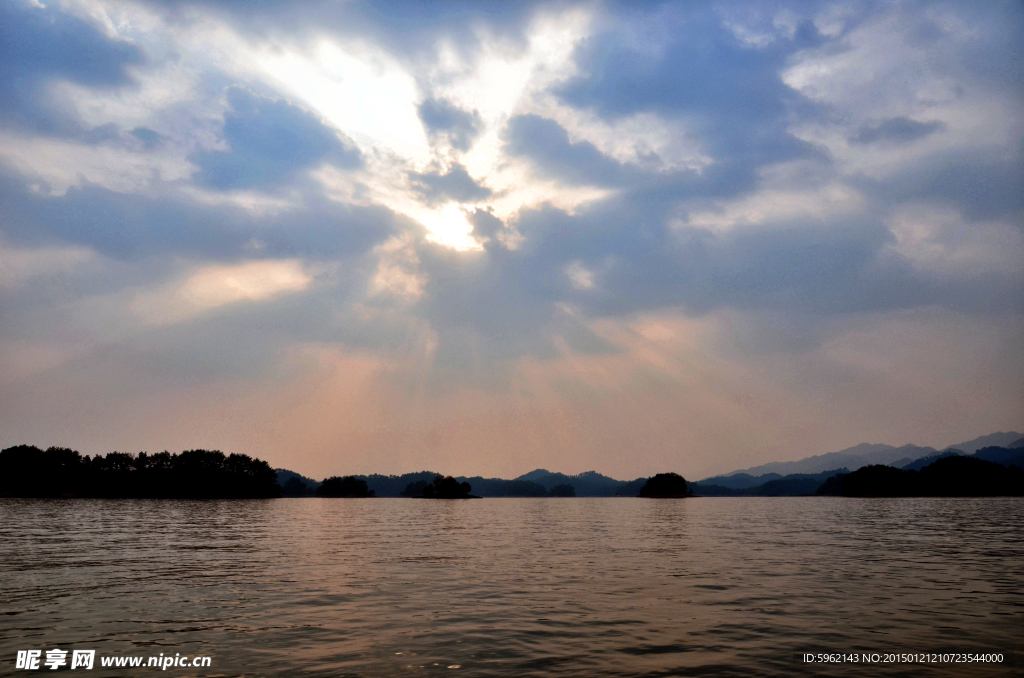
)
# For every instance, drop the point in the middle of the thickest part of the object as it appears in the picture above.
(898, 130)
(269, 141)
(402, 28)
(134, 226)
(211, 287)
(547, 145)
(486, 226)
(690, 65)
(147, 136)
(455, 184)
(40, 46)
(444, 119)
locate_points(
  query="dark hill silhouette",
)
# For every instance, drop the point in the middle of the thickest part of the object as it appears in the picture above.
(739, 481)
(392, 486)
(1001, 439)
(563, 490)
(970, 477)
(414, 489)
(919, 464)
(631, 488)
(284, 477)
(795, 484)
(348, 486)
(953, 476)
(27, 471)
(496, 487)
(535, 474)
(446, 487)
(294, 487)
(587, 484)
(664, 485)
(1004, 456)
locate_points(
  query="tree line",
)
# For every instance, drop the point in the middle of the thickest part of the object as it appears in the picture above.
(28, 471)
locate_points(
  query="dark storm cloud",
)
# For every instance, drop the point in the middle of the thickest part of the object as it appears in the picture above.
(444, 119)
(127, 226)
(39, 46)
(455, 184)
(898, 130)
(269, 141)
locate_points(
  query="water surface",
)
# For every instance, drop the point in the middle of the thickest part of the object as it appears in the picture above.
(516, 587)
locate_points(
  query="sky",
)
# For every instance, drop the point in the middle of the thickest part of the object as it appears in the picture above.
(481, 238)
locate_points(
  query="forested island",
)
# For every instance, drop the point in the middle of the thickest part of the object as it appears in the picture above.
(665, 486)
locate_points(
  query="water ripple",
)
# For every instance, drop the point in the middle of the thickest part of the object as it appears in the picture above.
(517, 587)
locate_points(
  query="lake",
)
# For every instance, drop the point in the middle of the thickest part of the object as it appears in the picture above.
(516, 587)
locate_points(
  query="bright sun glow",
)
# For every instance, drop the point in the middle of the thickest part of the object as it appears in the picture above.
(362, 93)
(448, 226)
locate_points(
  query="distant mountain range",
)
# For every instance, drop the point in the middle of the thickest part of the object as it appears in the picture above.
(796, 484)
(785, 478)
(855, 457)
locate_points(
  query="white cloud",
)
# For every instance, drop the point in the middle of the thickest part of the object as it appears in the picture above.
(210, 287)
(64, 164)
(779, 207)
(580, 276)
(882, 73)
(939, 239)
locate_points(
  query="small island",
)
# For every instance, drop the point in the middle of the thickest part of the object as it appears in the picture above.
(665, 486)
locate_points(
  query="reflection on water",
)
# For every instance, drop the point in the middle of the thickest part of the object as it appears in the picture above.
(515, 587)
